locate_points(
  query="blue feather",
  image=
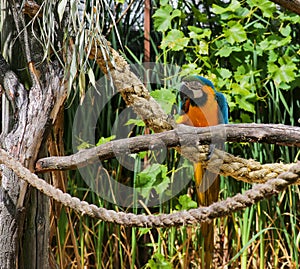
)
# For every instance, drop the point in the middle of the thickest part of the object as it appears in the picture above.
(223, 105)
(206, 81)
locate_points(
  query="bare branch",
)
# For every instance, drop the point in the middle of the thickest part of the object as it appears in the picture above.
(189, 138)
(292, 5)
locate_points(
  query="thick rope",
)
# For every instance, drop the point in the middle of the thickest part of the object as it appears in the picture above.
(193, 216)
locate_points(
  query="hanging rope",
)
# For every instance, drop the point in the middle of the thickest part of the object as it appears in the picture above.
(193, 216)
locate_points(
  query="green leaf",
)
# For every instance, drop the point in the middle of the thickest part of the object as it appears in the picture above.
(195, 29)
(186, 203)
(158, 261)
(164, 16)
(258, 25)
(245, 118)
(190, 69)
(143, 154)
(267, 7)
(238, 89)
(166, 99)
(154, 177)
(273, 42)
(162, 185)
(284, 72)
(284, 86)
(84, 145)
(244, 104)
(232, 7)
(148, 176)
(136, 122)
(291, 17)
(249, 46)
(143, 231)
(176, 13)
(226, 50)
(218, 9)
(241, 70)
(104, 140)
(202, 48)
(285, 31)
(175, 40)
(233, 10)
(235, 33)
(163, 2)
(224, 73)
(199, 33)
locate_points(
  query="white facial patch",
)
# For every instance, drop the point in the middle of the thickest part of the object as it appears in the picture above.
(197, 93)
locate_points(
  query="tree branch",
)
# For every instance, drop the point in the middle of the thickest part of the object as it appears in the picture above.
(292, 5)
(189, 138)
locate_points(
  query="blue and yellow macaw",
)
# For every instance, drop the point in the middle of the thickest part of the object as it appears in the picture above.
(202, 106)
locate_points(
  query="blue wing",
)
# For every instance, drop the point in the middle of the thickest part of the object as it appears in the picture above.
(223, 105)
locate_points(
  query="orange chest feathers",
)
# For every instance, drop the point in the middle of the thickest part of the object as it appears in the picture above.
(201, 116)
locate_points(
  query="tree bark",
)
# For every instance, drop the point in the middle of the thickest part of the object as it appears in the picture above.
(24, 143)
(292, 5)
(182, 136)
(24, 212)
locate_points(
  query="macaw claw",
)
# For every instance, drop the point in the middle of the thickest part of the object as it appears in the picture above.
(211, 151)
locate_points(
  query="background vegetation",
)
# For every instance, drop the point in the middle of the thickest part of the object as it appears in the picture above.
(250, 50)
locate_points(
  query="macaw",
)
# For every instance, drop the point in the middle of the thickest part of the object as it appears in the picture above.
(202, 106)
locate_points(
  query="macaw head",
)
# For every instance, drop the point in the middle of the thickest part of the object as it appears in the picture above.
(194, 91)
(197, 91)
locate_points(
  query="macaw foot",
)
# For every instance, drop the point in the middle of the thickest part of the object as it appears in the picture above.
(210, 151)
(212, 148)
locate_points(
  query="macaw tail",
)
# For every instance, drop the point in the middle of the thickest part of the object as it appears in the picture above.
(208, 188)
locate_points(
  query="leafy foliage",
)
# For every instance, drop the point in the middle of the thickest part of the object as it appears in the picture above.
(249, 47)
(153, 177)
(250, 50)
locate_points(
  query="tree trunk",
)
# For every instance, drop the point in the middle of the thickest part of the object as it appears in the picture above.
(26, 117)
(17, 203)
